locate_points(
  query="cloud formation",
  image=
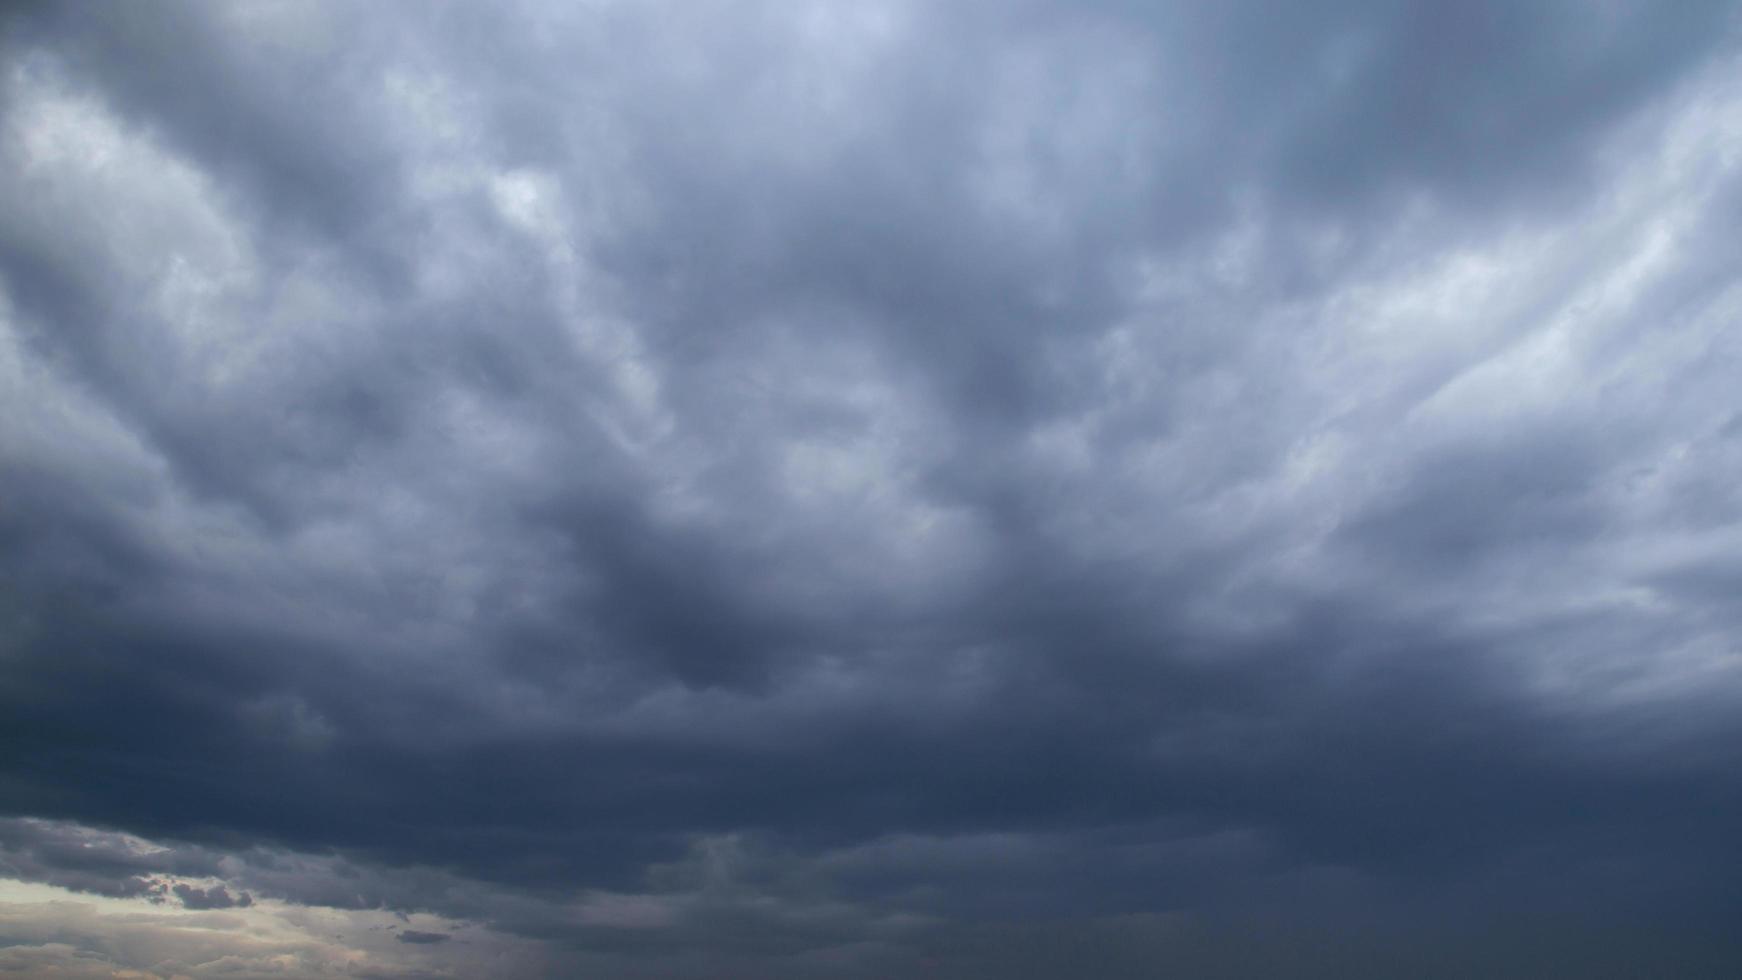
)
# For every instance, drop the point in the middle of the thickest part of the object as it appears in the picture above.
(831, 490)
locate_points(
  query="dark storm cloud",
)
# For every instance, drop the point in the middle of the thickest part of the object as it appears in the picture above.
(215, 897)
(822, 486)
(83, 861)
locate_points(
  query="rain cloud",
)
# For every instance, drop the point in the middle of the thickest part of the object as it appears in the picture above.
(831, 489)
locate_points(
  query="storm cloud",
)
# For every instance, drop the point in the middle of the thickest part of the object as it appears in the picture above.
(828, 489)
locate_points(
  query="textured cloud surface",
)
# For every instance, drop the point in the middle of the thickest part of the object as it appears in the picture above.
(855, 490)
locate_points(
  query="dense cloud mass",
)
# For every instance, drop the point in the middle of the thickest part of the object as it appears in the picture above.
(834, 489)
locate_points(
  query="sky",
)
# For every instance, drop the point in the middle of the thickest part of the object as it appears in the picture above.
(831, 490)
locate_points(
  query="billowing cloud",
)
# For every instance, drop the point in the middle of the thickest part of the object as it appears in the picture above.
(831, 490)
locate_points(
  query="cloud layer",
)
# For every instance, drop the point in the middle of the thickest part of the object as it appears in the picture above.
(828, 489)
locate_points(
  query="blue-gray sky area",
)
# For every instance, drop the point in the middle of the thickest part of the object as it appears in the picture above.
(856, 490)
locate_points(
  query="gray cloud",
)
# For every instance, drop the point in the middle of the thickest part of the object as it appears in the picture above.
(215, 897)
(832, 486)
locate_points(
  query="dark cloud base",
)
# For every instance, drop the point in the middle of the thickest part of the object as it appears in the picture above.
(825, 490)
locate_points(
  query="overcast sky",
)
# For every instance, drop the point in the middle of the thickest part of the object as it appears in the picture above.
(860, 490)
